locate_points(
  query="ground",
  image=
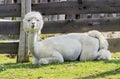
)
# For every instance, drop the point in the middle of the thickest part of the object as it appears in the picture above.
(102, 69)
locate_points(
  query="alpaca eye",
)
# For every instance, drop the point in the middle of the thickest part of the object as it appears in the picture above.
(28, 20)
(38, 20)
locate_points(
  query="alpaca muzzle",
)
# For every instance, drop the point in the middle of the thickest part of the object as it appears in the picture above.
(33, 26)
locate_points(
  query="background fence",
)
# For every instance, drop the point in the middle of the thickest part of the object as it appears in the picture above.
(61, 16)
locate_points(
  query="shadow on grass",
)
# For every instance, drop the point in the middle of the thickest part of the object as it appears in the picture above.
(4, 67)
(112, 61)
(103, 74)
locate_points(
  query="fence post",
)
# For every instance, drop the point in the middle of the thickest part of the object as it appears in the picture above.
(22, 51)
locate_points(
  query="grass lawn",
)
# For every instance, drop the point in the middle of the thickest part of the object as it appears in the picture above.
(102, 69)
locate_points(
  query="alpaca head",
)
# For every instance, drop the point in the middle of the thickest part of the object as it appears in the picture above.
(33, 22)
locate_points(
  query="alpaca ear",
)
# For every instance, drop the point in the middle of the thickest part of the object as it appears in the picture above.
(41, 26)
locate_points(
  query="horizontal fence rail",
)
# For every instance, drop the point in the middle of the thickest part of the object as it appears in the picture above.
(9, 47)
(68, 7)
(74, 7)
(81, 25)
(10, 10)
(9, 27)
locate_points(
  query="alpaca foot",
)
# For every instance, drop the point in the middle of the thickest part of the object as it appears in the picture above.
(43, 61)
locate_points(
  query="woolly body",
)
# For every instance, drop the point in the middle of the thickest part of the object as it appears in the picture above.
(65, 47)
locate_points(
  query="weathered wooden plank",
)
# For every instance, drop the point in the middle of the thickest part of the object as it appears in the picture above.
(18, 1)
(82, 25)
(10, 10)
(74, 7)
(9, 48)
(23, 49)
(69, 7)
(9, 27)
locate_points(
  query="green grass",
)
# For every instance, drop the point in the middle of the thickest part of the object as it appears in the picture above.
(102, 69)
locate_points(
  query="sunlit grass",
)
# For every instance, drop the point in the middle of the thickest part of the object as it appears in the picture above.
(43, 36)
(102, 69)
(5, 59)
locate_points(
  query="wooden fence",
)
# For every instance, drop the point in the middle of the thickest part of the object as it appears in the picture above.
(62, 26)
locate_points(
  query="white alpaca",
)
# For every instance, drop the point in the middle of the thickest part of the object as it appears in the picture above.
(70, 47)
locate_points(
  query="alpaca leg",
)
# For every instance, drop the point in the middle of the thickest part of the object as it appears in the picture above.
(35, 61)
(89, 49)
(104, 54)
(89, 52)
(52, 59)
(86, 55)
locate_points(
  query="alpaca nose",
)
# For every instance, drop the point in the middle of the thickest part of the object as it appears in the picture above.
(33, 23)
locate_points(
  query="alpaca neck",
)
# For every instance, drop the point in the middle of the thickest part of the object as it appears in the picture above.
(32, 39)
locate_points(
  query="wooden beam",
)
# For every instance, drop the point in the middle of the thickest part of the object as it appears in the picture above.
(74, 7)
(9, 27)
(67, 26)
(82, 25)
(69, 7)
(10, 10)
(9, 48)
